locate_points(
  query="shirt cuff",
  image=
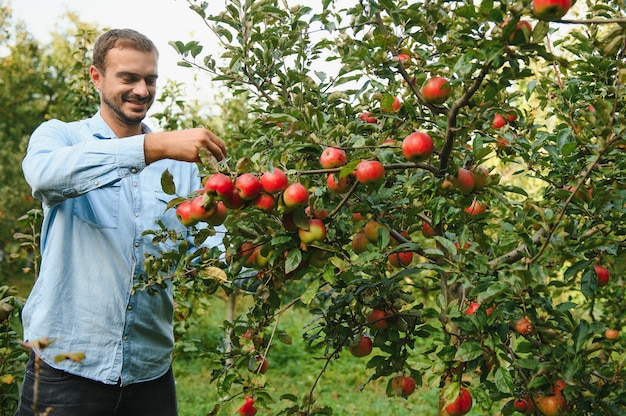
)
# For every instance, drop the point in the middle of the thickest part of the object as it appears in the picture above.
(131, 156)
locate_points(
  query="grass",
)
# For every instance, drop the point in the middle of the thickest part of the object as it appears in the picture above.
(294, 370)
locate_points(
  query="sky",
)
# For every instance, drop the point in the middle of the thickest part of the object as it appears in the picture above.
(161, 20)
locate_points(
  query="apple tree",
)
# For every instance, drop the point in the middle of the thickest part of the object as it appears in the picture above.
(463, 205)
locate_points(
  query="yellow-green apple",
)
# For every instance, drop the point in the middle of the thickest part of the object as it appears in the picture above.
(551, 9)
(260, 260)
(296, 195)
(248, 186)
(602, 274)
(436, 90)
(274, 181)
(402, 386)
(417, 146)
(476, 208)
(338, 185)
(362, 348)
(359, 242)
(498, 121)
(461, 405)
(333, 157)
(369, 172)
(316, 231)
(371, 230)
(219, 184)
(376, 319)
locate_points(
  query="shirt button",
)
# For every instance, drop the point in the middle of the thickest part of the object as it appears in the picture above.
(125, 338)
(135, 184)
(96, 183)
(133, 170)
(137, 244)
(130, 307)
(136, 214)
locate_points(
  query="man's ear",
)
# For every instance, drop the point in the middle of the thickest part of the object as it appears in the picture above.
(96, 76)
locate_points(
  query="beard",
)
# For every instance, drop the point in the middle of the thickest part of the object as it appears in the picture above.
(132, 118)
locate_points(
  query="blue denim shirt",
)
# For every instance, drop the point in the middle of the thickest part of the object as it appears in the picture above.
(98, 198)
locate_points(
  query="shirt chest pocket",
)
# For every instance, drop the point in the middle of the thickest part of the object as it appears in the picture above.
(99, 207)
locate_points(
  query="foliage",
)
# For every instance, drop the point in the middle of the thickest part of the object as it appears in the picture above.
(531, 254)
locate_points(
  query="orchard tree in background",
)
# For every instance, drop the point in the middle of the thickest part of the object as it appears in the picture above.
(470, 224)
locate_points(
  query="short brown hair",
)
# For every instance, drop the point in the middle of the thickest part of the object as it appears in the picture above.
(120, 38)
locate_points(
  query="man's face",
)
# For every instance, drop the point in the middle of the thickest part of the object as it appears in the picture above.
(127, 85)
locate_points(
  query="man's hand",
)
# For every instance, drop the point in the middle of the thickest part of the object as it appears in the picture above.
(182, 145)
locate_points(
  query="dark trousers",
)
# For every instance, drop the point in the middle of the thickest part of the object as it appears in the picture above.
(69, 395)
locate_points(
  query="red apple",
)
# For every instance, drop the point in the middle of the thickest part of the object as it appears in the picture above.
(405, 59)
(247, 408)
(558, 386)
(247, 251)
(464, 180)
(315, 232)
(218, 214)
(370, 172)
(521, 34)
(402, 386)
(611, 334)
(481, 176)
(296, 195)
(393, 107)
(551, 405)
(274, 181)
(265, 202)
(400, 259)
(338, 185)
(359, 242)
(498, 121)
(461, 405)
(183, 213)
(603, 275)
(427, 230)
(234, 201)
(550, 9)
(220, 185)
(502, 143)
(248, 186)
(362, 348)
(261, 364)
(417, 146)
(524, 326)
(367, 117)
(524, 405)
(333, 157)
(436, 90)
(475, 208)
(472, 308)
(376, 319)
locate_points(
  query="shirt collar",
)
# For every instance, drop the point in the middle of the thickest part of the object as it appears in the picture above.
(101, 129)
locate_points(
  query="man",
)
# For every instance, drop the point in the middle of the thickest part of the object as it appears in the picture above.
(99, 181)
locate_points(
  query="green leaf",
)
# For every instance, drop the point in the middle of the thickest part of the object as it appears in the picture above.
(504, 381)
(310, 292)
(167, 183)
(589, 282)
(468, 351)
(581, 335)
